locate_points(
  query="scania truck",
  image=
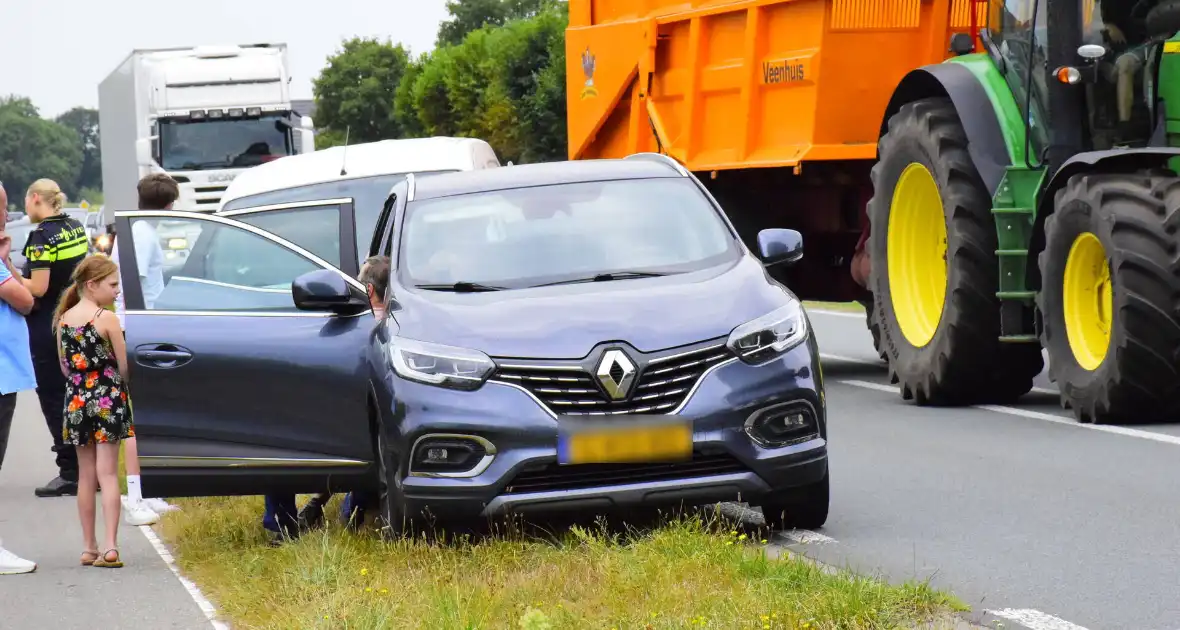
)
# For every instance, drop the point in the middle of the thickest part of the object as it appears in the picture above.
(201, 114)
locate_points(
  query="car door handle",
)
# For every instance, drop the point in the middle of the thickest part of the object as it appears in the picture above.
(162, 355)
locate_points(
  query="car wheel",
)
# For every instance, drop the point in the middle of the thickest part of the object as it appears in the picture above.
(392, 518)
(803, 507)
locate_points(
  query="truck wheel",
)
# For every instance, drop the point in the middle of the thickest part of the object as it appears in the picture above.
(1109, 288)
(934, 268)
(805, 507)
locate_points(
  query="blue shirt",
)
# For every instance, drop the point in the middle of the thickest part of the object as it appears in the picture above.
(16, 364)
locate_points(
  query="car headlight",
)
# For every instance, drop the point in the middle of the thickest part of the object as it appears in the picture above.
(444, 366)
(769, 336)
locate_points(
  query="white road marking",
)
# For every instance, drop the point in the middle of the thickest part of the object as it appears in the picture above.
(805, 537)
(824, 311)
(837, 357)
(1047, 417)
(1034, 619)
(202, 602)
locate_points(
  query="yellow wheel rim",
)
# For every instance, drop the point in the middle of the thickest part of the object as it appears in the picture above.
(916, 248)
(1088, 300)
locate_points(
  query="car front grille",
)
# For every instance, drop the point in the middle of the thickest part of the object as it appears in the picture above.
(555, 477)
(662, 385)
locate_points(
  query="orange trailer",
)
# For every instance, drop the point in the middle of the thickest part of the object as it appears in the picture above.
(776, 104)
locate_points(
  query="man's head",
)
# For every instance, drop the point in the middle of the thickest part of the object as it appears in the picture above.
(3, 207)
(157, 191)
(375, 276)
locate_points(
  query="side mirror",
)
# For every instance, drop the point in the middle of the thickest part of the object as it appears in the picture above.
(780, 246)
(306, 140)
(326, 290)
(143, 151)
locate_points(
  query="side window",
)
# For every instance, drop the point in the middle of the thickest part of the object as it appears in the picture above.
(1023, 39)
(314, 228)
(200, 265)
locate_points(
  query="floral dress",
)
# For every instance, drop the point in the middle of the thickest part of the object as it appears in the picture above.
(97, 409)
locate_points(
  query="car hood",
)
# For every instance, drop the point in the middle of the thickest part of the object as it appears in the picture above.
(567, 321)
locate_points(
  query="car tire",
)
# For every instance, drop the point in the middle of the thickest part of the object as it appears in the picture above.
(1108, 292)
(802, 507)
(940, 335)
(392, 520)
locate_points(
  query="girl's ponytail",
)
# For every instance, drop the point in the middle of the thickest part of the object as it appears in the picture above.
(92, 268)
(69, 299)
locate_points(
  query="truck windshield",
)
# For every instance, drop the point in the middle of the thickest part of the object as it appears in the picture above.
(187, 145)
(528, 237)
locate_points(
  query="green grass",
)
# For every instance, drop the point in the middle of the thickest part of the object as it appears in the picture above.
(692, 572)
(848, 307)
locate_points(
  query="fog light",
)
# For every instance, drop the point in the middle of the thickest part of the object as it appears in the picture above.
(782, 425)
(445, 455)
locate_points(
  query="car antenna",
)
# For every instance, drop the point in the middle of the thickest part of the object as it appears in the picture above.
(344, 153)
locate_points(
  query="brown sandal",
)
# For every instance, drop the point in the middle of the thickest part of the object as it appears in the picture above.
(103, 563)
(88, 557)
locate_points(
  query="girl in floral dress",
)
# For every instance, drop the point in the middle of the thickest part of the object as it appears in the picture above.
(97, 413)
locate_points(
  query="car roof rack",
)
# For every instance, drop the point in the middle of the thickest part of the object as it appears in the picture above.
(662, 158)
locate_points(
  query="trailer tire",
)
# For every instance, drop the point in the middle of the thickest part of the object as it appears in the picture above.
(1108, 296)
(938, 314)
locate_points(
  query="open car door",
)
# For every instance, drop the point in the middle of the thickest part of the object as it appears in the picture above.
(235, 389)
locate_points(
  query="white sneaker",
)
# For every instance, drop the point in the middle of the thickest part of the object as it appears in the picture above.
(136, 513)
(11, 564)
(160, 506)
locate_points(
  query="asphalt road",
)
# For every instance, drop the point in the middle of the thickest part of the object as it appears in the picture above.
(1018, 509)
(61, 594)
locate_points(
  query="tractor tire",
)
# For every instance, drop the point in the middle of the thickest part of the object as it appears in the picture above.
(1163, 19)
(874, 330)
(936, 309)
(1109, 289)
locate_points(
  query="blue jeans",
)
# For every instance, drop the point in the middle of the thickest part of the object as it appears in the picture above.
(281, 511)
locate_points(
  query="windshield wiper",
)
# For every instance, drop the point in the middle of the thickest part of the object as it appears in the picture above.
(460, 287)
(607, 277)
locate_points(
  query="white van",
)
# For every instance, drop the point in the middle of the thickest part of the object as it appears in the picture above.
(319, 199)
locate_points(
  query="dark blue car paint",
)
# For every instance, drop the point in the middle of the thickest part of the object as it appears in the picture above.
(649, 313)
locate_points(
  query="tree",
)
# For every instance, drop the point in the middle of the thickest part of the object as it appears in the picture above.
(355, 92)
(32, 147)
(84, 122)
(504, 84)
(471, 15)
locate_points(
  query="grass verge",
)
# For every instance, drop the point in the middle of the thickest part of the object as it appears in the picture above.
(692, 572)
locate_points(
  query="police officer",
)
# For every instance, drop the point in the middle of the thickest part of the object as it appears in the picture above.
(52, 251)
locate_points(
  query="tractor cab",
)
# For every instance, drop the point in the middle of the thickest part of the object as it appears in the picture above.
(1116, 60)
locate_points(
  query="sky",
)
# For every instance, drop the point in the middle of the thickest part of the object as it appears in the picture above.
(57, 51)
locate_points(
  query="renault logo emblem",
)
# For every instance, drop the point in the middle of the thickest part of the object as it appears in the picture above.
(616, 372)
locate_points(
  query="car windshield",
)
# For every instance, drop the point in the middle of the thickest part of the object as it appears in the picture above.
(566, 232)
(222, 143)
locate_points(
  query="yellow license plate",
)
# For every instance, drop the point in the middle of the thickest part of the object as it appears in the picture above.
(627, 441)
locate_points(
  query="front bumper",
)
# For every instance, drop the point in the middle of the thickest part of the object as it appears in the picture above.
(523, 476)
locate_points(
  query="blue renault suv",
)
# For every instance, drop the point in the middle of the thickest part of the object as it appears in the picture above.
(585, 336)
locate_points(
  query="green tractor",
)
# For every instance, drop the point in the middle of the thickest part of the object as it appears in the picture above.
(1027, 198)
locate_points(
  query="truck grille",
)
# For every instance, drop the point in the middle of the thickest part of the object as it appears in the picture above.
(554, 477)
(662, 385)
